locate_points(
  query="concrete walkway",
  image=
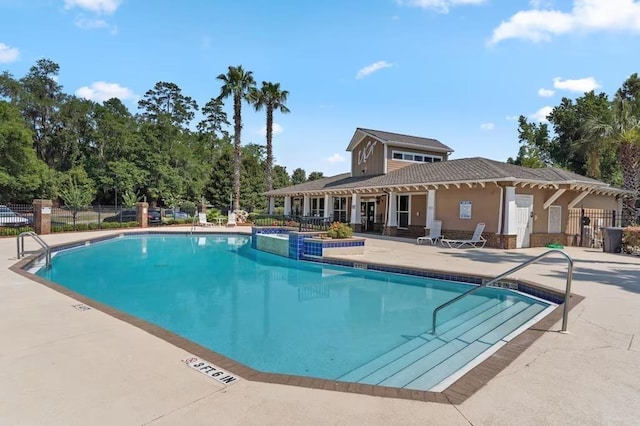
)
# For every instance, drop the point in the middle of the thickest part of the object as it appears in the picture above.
(63, 366)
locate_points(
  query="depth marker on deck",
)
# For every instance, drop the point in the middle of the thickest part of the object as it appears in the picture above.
(210, 370)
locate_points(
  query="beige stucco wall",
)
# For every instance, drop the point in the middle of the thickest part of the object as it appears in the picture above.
(598, 202)
(373, 164)
(484, 207)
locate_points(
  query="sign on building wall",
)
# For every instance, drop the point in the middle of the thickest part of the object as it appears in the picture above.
(465, 209)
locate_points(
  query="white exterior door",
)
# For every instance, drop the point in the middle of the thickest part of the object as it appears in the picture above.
(524, 224)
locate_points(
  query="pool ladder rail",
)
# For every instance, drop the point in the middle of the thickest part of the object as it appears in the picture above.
(36, 237)
(567, 293)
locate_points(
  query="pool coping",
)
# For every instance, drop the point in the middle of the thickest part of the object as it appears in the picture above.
(455, 394)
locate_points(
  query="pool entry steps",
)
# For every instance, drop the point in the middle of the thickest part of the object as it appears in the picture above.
(426, 360)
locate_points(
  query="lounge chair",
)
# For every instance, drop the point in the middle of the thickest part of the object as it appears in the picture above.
(202, 220)
(231, 219)
(477, 240)
(435, 233)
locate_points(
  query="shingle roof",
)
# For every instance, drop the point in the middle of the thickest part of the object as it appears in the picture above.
(401, 140)
(452, 171)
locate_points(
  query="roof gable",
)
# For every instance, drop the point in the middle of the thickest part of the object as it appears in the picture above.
(398, 139)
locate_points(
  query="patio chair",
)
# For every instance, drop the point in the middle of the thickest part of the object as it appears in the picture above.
(435, 233)
(202, 220)
(231, 219)
(477, 240)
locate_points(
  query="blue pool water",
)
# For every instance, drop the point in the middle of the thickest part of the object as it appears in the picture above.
(280, 315)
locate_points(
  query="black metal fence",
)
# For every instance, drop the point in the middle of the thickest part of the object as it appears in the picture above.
(586, 225)
(303, 223)
(15, 218)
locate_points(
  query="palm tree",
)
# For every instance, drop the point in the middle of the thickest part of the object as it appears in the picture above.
(272, 99)
(622, 129)
(237, 83)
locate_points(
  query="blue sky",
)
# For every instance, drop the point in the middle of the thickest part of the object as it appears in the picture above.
(459, 71)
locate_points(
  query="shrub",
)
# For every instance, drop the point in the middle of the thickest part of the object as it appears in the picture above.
(631, 238)
(212, 214)
(189, 207)
(339, 230)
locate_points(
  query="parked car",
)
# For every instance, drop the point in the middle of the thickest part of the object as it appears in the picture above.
(130, 215)
(176, 214)
(10, 218)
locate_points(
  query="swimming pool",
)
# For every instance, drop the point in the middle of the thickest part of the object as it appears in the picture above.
(284, 316)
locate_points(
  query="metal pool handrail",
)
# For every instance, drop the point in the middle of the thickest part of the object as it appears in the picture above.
(36, 237)
(565, 312)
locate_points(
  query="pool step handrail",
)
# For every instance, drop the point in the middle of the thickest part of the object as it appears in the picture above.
(36, 237)
(193, 223)
(567, 293)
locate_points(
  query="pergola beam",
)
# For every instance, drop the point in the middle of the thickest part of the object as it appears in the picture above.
(553, 198)
(576, 200)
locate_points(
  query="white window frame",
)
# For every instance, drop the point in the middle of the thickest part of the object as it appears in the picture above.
(407, 212)
(409, 157)
(317, 207)
(342, 210)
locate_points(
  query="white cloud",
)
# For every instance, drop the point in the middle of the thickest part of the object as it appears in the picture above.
(106, 7)
(512, 117)
(487, 126)
(101, 91)
(585, 16)
(541, 114)
(335, 158)
(89, 23)
(441, 6)
(8, 54)
(545, 93)
(370, 69)
(579, 85)
(277, 129)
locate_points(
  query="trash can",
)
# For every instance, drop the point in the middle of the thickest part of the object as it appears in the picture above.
(612, 241)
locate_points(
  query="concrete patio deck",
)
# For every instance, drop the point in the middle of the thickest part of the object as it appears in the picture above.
(64, 366)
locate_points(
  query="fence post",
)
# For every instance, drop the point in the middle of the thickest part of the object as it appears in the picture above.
(42, 216)
(613, 223)
(141, 214)
(581, 227)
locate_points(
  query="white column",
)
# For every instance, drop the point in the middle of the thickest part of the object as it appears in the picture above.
(328, 206)
(287, 206)
(306, 211)
(272, 205)
(392, 219)
(510, 226)
(431, 207)
(355, 209)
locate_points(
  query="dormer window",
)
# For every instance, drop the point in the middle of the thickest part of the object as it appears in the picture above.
(416, 158)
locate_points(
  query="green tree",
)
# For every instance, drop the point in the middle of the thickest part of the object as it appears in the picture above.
(569, 148)
(281, 178)
(298, 176)
(22, 176)
(237, 83)
(621, 129)
(166, 102)
(78, 192)
(534, 143)
(40, 100)
(630, 91)
(271, 98)
(315, 176)
(253, 159)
